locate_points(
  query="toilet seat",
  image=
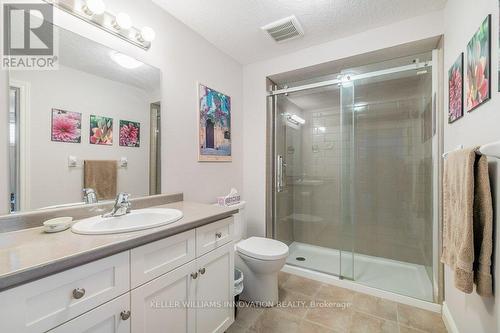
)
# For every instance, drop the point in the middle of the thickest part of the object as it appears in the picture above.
(262, 248)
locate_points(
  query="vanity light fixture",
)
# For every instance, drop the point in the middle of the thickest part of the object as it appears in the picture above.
(125, 61)
(147, 34)
(122, 21)
(120, 25)
(94, 7)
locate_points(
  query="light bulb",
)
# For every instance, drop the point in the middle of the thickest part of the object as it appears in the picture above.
(122, 21)
(94, 7)
(147, 34)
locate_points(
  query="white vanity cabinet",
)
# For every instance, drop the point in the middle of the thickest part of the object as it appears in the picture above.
(194, 298)
(43, 304)
(161, 286)
(215, 290)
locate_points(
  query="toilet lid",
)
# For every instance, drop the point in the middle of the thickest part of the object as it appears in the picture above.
(263, 248)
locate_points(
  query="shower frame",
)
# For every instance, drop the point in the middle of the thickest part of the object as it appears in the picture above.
(273, 91)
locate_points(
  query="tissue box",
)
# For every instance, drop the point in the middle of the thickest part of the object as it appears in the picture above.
(228, 200)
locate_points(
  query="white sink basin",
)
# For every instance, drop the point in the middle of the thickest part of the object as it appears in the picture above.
(136, 220)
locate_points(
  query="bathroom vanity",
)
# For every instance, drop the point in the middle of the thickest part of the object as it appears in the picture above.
(179, 277)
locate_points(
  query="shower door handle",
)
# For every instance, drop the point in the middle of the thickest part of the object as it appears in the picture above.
(280, 171)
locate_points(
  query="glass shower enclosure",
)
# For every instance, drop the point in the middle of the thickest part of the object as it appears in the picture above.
(354, 176)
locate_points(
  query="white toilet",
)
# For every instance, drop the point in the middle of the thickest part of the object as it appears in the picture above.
(260, 259)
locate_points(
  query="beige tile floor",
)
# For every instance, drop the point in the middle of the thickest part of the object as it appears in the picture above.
(353, 312)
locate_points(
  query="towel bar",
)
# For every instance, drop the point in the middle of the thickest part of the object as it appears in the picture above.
(490, 149)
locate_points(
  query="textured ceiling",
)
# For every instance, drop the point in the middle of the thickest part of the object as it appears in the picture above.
(234, 25)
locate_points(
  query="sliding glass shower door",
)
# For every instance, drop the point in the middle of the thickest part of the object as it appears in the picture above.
(307, 196)
(389, 186)
(354, 187)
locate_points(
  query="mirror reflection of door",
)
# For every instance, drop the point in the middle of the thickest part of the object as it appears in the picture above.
(14, 149)
(155, 150)
(209, 134)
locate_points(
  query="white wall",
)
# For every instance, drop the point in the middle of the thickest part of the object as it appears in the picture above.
(254, 91)
(473, 313)
(51, 182)
(184, 58)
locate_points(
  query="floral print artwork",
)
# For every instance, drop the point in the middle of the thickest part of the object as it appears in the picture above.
(66, 126)
(130, 133)
(455, 88)
(478, 67)
(101, 130)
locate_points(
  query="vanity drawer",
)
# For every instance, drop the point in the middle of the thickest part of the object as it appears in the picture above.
(46, 303)
(113, 316)
(211, 236)
(152, 260)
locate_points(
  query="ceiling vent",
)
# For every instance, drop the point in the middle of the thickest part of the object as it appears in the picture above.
(284, 29)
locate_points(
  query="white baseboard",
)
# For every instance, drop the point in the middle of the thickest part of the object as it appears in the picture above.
(449, 322)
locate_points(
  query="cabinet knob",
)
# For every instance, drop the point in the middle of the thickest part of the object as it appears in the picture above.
(218, 234)
(78, 293)
(125, 315)
(202, 270)
(194, 275)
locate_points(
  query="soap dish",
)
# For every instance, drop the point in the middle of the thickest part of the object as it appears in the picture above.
(57, 224)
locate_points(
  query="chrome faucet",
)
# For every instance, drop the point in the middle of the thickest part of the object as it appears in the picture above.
(121, 207)
(89, 196)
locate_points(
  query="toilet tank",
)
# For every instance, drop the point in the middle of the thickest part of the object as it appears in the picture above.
(240, 223)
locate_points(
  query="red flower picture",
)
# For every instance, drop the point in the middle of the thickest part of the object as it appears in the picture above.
(455, 90)
(130, 133)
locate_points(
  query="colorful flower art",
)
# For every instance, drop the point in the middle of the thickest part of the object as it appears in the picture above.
(478, 67)
(455, 88)
(66, 126)
(130, 133)
(101, 130)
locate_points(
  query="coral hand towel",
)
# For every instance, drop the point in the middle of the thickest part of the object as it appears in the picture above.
(102, 177)
(467, 220)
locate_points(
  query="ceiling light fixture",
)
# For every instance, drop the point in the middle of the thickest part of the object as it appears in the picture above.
(125, 61)
(295, 119)
(122, 22)
(94, 7)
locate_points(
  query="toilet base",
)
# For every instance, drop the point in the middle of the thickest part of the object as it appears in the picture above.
(259, 288)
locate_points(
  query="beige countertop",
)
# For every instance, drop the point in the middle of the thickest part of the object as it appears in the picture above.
(31, 254)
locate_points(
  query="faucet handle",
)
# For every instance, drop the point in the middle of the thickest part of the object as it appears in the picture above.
(89, 195)
(122, 197)
(123, 200)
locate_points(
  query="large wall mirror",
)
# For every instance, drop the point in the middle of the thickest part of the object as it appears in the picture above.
(94, 122)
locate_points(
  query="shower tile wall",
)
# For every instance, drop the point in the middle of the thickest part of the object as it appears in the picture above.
(393, 180)
(316, 192)
(392, 202)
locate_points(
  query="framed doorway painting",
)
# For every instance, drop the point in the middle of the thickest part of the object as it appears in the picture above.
(214, 124)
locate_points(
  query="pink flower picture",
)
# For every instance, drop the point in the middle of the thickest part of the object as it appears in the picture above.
(455, 89)
(478, 87)
(130, 133)
(66, 126)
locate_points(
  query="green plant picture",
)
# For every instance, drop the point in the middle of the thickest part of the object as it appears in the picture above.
(478, 81)
(101, 130)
